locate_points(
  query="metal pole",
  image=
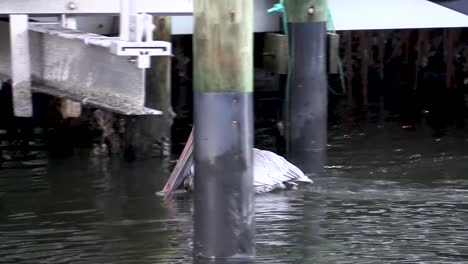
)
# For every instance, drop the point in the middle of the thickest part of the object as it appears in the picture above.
(223, 135)
(307, 111)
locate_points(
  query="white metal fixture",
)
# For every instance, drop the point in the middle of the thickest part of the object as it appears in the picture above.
(136, 36)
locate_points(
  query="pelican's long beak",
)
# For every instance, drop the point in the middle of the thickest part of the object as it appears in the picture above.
(176, 178)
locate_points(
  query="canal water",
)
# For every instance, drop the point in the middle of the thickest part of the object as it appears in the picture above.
(387, 196)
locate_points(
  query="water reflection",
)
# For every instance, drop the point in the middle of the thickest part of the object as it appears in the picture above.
(207, 261)
(392, 201)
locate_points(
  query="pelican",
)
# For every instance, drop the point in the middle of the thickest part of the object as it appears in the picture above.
(270, 172)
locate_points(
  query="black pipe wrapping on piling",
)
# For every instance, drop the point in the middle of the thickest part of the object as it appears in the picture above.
(307, 113)
(223, 182)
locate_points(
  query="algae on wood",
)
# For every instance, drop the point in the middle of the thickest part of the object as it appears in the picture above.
(222, 46)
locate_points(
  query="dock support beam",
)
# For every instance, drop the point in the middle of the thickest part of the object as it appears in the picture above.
(306, 117)
(223, 134)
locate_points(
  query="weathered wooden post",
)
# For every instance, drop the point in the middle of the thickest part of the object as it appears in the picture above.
(69, 108)
(158, 96)
(349, 66)
(365, 61)
(145, 131)
(306, 119)
(223, 134)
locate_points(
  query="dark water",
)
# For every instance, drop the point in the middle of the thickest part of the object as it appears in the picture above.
(388, 196)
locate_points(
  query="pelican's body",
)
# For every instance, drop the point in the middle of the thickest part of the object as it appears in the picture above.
(271, 172)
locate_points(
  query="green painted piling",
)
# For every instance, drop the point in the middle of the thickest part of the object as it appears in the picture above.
(223, 46)
(223, 134)
(306, 109)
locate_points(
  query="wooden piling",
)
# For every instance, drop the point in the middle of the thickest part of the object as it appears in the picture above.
(222, 46)
(406, 45)
(421, 43)
(159, 89)
(365, 49)
(450, 38)
(349, 66)
(151, 135)
(306, 120)
(382, 44)
(223, 134)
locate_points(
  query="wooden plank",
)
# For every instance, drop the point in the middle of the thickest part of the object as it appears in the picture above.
(275, 53)
(333, 52)
(179, 168)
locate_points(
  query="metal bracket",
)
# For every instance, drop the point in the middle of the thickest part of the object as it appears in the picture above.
(142, 50)
(136, 36)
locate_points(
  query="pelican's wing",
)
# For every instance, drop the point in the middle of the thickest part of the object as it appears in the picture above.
(272, 171)
(265, 179)
(289, 170)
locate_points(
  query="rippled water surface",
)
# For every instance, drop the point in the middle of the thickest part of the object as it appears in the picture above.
(388, 196)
